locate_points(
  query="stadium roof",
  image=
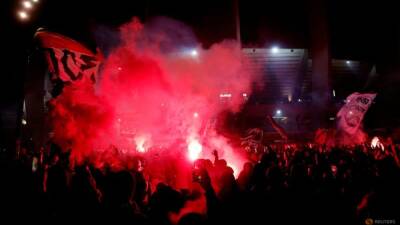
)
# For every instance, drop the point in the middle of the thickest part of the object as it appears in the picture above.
(286, 74)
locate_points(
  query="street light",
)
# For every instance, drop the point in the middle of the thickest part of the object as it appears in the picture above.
(27, 4)
(194, 53)
(23, 15)
(275, 49)
(25, 7)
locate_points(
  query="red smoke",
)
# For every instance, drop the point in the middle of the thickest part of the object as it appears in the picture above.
(154, 97)
(80, 120)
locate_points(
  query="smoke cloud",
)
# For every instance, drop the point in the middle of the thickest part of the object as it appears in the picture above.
(158, 90)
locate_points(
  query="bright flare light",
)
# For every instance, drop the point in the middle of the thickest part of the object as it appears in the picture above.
(278, 112)
(376, 143)
(275, 49)
(194, 149)
(140, 143)
(23, 15)
(27, 4)
(35, 1)
(195, 115)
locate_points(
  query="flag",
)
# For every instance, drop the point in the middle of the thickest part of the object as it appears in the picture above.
(67, 59)
(352, 113)
(278, 128)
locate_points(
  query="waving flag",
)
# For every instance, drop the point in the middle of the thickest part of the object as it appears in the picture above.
(278, 128)
(67, 59)
(352, 113)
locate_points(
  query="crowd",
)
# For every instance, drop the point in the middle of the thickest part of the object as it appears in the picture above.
(280, 184)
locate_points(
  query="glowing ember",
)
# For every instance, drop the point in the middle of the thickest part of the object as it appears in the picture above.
(194, 149)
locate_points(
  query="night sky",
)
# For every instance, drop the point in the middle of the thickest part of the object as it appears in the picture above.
(359, 30)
